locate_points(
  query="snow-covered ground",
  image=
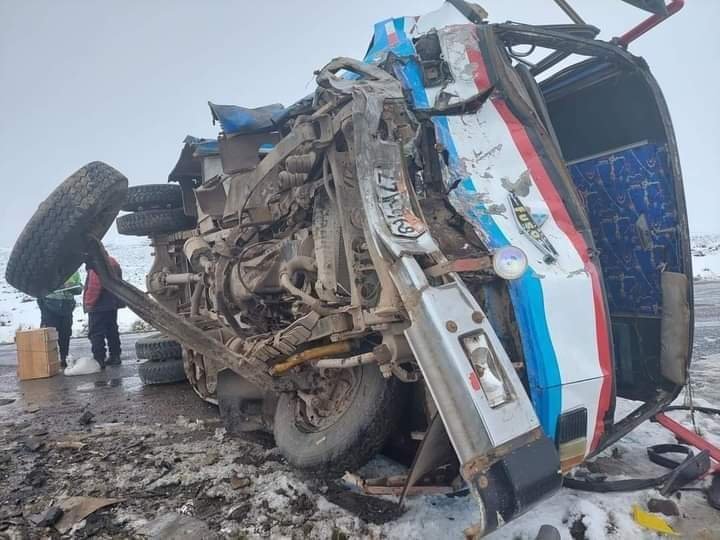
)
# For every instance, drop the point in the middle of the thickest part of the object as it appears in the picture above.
(18, 311)
(706, 256)
(603, 515)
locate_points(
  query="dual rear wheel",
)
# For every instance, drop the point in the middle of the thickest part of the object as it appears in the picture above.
(154, 209)
(163, 360)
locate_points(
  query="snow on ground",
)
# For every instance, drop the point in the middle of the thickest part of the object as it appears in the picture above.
(19, 311)
(706, 256)
(602, 515)
(608, 515)
(588, 515)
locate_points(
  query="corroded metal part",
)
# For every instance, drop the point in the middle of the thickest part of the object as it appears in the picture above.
(176, 326)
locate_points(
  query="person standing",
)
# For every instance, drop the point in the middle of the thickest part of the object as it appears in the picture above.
(102, 309)
(56, 311)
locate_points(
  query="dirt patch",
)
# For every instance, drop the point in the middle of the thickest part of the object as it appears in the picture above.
(370, 509)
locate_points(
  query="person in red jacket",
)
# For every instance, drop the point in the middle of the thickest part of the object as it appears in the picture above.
(102, 308)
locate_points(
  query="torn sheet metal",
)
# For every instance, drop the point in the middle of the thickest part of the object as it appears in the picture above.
(490, 155)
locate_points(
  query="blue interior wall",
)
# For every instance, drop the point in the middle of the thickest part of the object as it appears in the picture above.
(618, 189)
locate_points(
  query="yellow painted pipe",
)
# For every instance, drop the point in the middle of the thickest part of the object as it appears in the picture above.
(311, 354)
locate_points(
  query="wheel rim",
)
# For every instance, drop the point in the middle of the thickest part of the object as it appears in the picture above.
(324, 407)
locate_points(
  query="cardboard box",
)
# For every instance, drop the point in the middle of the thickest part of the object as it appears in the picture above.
(37, 353)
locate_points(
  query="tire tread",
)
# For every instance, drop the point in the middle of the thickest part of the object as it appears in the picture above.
(162, 372)
(157, 347)
(52, 245)
(149, 222)
(153, 196)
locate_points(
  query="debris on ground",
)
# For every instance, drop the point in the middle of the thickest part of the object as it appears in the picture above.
(713, 493)
(238, 513)
(150, 447)
(158, 470)
(33, 444)
(666, 507)
(652, 522)
(174, 526)
(548, 532)
(86, 418)
(48, 518)
(371, 509)
(75, 509)
(74, 445)
(239, 482)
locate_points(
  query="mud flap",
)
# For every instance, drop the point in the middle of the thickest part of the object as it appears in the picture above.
(675, 338)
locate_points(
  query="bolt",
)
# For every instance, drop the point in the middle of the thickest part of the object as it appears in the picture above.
(478, 317)
(451, 326)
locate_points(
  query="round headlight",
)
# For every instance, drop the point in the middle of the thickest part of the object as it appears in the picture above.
(509, 262)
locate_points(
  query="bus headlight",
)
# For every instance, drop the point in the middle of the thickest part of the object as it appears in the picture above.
(509, 262)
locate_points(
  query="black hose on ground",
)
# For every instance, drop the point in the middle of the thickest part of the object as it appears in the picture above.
(684, 472)
(696, 466)
(704, 410)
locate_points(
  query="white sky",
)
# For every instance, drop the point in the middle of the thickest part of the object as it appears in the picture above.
(125, 81)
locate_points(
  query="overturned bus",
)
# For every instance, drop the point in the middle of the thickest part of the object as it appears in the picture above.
(452, 237)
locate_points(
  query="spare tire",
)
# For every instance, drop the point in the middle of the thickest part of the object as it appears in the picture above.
(54, 242)
(347, 439)
(157, 347)
(162, 372)
(151, 222)
(153, 196)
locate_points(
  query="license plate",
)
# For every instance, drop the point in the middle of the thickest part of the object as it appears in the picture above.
(396, 207)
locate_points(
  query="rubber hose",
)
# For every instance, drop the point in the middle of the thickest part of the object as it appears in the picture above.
(654, 452)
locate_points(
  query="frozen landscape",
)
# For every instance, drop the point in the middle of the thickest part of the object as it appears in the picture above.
(19, 311)
(706, 256)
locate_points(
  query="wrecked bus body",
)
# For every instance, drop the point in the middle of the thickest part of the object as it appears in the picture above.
(432, 242)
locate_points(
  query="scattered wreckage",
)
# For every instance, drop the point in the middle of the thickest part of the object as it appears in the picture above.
(432, 243)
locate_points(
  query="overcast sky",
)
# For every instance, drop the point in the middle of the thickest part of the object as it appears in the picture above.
(125, 81)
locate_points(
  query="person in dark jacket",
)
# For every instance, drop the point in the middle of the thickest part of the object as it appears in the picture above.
(56, 311)
(102, 309)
